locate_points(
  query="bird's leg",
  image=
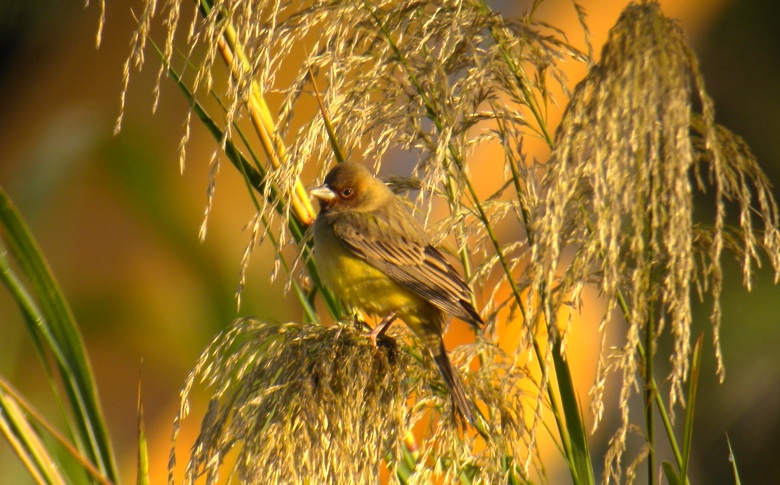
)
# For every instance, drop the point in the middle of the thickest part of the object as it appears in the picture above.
(380, 329)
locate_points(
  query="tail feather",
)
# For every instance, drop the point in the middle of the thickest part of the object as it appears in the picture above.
(455, 385)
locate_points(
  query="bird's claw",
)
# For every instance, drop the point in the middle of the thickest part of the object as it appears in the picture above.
(379, 331)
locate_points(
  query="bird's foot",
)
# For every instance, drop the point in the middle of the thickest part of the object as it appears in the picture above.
(379, 331)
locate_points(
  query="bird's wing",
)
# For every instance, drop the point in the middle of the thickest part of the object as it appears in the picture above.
(407, 258)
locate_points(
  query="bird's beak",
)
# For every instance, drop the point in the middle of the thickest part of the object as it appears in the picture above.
(323, 192)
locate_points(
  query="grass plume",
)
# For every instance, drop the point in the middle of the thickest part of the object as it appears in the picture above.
(301, 402)
(637, 140)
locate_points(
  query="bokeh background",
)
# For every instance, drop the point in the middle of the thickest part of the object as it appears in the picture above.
(119, 223)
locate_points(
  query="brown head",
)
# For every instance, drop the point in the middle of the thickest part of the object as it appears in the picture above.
(351, 187)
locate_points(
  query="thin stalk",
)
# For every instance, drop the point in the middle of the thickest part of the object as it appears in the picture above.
(142, 469)
(651, 382)
(302, 297)
(255, 178)
(519, 74)
(260, 116)
(555, 407)
(338, 153)
(650, 347)
(580, 465)
(233, 55)
(654, 388)
(526, 215)
(649, 392)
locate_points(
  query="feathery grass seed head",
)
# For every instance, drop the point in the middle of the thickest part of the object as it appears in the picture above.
(296, 403)
(619, 189)
(300, 403)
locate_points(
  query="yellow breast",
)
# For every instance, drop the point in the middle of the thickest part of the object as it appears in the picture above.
(360, 284)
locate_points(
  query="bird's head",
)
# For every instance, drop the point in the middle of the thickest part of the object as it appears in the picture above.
(351, 187)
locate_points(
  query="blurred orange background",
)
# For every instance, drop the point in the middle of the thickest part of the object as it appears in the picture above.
(119, 223)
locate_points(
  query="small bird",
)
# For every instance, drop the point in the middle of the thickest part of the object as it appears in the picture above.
(376, 257)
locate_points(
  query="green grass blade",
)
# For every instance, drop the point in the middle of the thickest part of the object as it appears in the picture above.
(671, 474)
(40, 422)
(405, 469)
(143, 449)
(733, 461)
(46, 306)
(308, 309)
(26, 442)
(257, 181)
(691, 410)
(579, 459)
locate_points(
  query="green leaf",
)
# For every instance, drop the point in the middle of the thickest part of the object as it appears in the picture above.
(22, 413)
(579, 458)
(671, 474)
(143, 448)
(256, 179)
(26, 442)
(691, 411)
(733, 461)
(52, 326)
(405, 468)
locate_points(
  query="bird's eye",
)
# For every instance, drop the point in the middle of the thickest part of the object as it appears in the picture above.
(347, 193)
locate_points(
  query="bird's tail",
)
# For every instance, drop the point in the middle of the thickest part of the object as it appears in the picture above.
(464, 406)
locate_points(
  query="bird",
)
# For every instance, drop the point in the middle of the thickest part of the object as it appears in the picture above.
(376, 257)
